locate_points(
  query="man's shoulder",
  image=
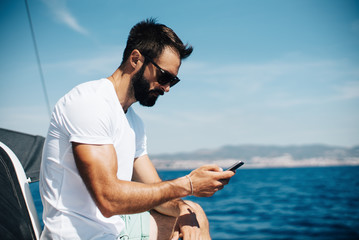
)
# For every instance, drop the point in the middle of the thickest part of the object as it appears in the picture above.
(88, 97)
(95, 86)
(89, 108)
(90, 91)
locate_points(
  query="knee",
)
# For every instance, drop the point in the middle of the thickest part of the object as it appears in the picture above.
(201, 218)
(201, 215)
(195, 206)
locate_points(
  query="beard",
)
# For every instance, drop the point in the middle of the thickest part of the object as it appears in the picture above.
(141, 89)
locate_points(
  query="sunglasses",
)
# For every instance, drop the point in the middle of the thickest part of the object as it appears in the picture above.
(165, 77)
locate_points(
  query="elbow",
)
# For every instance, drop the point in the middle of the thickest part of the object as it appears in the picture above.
(110, 208)
(106, 211)
(105, 208)
(106, 214)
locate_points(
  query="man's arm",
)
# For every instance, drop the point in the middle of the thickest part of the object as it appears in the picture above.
(145, 172)
(97, 165)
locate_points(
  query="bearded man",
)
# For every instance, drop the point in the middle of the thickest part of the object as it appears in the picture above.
(96, 180)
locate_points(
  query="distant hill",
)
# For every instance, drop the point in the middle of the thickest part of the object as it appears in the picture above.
(256, 156)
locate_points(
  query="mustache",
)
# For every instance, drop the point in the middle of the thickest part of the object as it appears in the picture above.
(159, 91)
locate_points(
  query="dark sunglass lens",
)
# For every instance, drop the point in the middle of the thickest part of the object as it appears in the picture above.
(174, 81)
(165, 78)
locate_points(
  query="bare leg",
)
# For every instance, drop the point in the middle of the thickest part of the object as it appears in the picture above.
(153, 226)
(162, 226)
(202, 220)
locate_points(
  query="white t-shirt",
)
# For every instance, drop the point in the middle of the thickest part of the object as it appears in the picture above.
(90, 113)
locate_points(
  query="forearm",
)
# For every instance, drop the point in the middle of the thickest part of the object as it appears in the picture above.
(145, 172)
(133, 197)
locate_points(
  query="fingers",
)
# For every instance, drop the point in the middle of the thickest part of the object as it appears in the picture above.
(212, 167)
(207, 180)
(214, 172)
(175, 235)
(224, 181)
(190, 233)
(222, 175)
(176, 232)
(226, 174)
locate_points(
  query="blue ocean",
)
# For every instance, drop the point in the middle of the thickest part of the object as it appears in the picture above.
(286, 203)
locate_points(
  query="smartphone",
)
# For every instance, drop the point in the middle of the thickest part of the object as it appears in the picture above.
(235, 166)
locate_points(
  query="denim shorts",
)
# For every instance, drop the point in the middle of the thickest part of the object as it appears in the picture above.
(137, 227)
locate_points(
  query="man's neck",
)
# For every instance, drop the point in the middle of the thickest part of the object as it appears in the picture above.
(122, 84)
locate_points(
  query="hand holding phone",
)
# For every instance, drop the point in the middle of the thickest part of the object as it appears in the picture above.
(235, 166)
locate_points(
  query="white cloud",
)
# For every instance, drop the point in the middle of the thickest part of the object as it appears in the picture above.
(62, 14)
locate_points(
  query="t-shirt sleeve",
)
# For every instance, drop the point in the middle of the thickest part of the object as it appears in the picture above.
(87, 120)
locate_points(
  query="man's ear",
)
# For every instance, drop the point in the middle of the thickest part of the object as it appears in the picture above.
(135, 58)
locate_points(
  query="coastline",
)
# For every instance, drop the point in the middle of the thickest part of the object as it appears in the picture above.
(285, 161)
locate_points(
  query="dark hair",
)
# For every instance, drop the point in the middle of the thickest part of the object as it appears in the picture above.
(150, 38)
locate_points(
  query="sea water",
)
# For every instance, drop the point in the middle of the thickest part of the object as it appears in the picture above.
(286, 203)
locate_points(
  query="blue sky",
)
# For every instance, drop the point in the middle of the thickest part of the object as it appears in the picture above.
(273, 72)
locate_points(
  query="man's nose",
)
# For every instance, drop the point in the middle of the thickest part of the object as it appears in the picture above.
(165, 88)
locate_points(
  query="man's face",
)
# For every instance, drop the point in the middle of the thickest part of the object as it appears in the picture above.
(145, 85)
(141, 87)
